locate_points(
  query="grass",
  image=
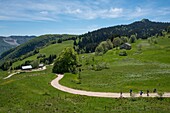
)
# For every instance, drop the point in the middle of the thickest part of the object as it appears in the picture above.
(32, 92)
(51, 49)
(140, 70)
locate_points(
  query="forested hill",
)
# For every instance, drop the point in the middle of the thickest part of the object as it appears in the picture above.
(32, 47)
(142, 29)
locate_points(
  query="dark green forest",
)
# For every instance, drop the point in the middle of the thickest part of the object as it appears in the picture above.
(141, 29)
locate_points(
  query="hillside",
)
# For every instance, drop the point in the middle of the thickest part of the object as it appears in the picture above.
(32, 47)
(7, 43)
(142, 69)
(54, 49)
(142, 29)
(145, 67)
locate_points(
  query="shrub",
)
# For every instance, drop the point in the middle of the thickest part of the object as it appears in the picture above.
(123, 53)
(101, 66)
(59, 40)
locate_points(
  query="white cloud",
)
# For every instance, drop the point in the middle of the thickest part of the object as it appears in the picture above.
(73, 11)
(49, 10)
(137, 12)
(44, 12)
(101, 13)
(114, 13)
(53, 10)
(163, 11)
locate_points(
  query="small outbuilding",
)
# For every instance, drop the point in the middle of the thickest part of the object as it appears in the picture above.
(29, 67)
(126, 46)
(41, 65)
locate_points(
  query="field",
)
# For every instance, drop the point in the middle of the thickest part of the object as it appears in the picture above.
(32, 92)
(146, 69)
(143, 69)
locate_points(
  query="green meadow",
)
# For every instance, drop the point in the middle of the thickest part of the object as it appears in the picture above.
(143, 68)
(32, 92)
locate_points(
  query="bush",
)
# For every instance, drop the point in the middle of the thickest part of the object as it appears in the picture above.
(123, 53)
(132, 39)
(40, 56)
(35, 64)
(60, 40)
(101, 66)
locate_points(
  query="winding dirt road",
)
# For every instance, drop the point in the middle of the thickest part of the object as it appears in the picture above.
(55, 84)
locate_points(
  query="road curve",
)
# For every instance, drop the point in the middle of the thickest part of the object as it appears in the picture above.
(55, 84)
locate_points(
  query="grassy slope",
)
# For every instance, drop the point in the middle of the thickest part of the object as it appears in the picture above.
(138, 71)
(51, 49)
(32, 92)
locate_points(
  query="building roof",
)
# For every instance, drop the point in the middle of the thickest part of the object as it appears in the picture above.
(128, 44)
(27, 67)
(41, 65)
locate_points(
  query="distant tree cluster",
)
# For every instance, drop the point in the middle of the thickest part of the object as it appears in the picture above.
(47, 60)
(168, 29)
(153, 40)
(104, 46)
(6, 65)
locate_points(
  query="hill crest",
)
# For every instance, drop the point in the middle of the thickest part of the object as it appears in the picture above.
(142, 29)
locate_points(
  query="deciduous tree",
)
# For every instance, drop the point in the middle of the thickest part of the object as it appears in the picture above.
(66, 61)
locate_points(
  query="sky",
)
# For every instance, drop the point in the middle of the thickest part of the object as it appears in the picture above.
(38, 17)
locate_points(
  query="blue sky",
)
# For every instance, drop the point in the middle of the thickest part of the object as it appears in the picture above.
(37, 17)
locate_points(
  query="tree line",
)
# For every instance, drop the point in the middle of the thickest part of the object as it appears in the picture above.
(141, 29)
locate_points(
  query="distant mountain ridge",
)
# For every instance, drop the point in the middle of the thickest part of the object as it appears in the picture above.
(142, 29)
(7, 43)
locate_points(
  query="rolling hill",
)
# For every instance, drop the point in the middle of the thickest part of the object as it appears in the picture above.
(142, 69)
(142, 29)
(32, 47)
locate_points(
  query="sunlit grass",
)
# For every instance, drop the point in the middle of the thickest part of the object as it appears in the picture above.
(144, 71)
(51, 49)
